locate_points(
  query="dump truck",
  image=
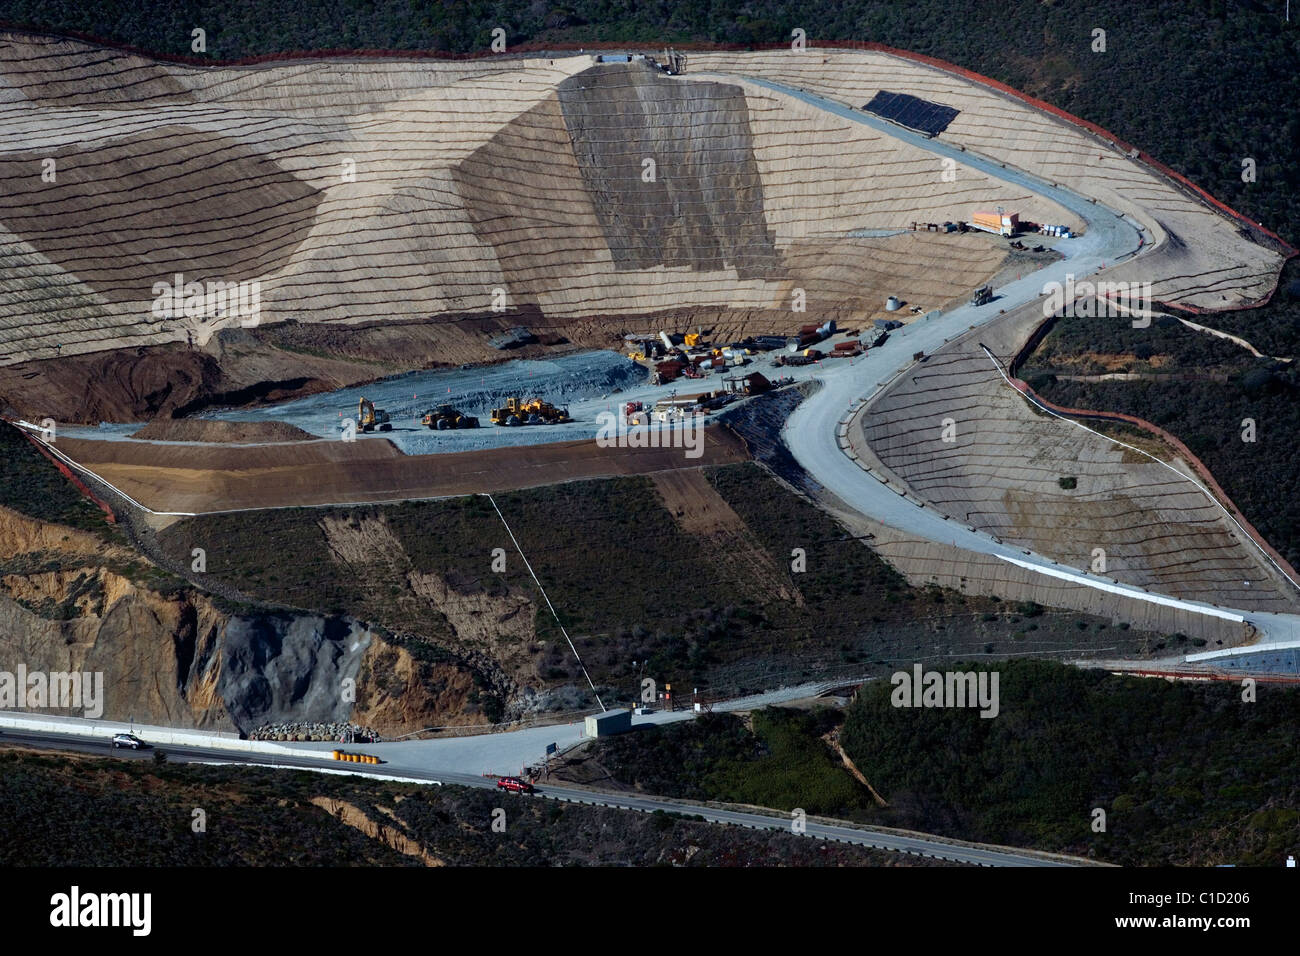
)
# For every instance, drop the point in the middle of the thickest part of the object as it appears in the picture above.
(448, 416)
(369, 418)
(532, 411)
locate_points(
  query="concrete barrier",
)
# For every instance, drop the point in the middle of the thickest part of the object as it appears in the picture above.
(155, 736)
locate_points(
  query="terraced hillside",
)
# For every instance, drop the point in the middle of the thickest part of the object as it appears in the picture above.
(954, 431)
(393, 192)
(386, 209)
(1205, 260)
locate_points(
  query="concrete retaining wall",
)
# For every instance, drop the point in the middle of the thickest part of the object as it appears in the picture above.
(155, 736)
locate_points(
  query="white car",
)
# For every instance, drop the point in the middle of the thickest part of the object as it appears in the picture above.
(127, 740)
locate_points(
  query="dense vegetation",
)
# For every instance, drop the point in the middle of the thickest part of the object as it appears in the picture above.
(628, 583)
(780, 764)
(138, 813)
(30, 485)
(1199, 84)
(1201, 389)
(1187, 774)
(1274, 329)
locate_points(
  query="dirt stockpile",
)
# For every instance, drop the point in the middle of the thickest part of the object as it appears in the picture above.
(198, 430)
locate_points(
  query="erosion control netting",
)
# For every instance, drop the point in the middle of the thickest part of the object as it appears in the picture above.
(912, 112)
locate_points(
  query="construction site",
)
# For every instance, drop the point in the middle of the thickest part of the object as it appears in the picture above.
(453, 274)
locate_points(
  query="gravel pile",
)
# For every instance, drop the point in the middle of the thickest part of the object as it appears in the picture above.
(336, 732)
(566, 380)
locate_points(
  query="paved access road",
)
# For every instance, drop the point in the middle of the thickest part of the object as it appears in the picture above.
(812, 430)
(916, 844)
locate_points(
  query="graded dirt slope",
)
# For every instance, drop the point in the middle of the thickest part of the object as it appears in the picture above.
(199, 479)
(962, 439)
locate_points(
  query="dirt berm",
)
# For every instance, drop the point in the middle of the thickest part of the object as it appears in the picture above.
(178, 478)
(201, 430)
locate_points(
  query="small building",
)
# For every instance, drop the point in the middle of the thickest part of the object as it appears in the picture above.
(609, 723)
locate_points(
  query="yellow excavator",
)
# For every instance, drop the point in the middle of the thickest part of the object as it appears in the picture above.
(532, 411)
(369, 418)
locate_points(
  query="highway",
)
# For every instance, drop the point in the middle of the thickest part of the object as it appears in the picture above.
(897, 841)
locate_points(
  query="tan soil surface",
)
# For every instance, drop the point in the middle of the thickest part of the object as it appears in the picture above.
(207, 478)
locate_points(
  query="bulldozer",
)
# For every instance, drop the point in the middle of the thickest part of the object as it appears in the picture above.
(369, 418)
(448, 416)
(531, 411)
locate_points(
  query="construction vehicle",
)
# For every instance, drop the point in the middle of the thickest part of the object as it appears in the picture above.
(533, 411)
(448, 416)
(369, 418)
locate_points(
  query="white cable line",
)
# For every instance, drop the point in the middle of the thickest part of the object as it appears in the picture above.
(576, 655)
(48, 445)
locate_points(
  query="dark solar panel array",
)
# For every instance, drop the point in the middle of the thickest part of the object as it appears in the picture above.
(912, 112)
